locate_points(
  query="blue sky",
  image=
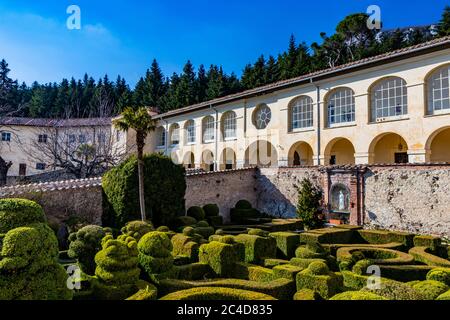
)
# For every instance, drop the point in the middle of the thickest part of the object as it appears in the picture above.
(122, 37)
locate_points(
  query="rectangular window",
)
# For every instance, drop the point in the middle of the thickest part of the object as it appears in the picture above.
(42, 138)
(72, 138)
(6, 136)
(175, 136)
(40, 166)
(22, 169)
(341, 107)
(82, 138)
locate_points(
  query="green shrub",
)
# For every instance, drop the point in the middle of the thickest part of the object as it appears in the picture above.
(257, 232)
(192, 271)
(287, 243)
(281, 289)
(28, 264)
(306, 294)
(430, 289)
(421, 254)
(405, 273)
(243, 204)
(384, 236)
(202, 228)
(259, 273)
(137, 229)
(444, 296)
(185, 246)
(196, 212)
(309, 205)
(287, 271)
(257, 248)
(211, 210)
(304, 263)
(395, 290)
(163, 229)
(164, 184)
(357, 295)
(270, 263)
(206, 293)
(181, 222)
(84, 245)
(146, 291)
(431, 242)
(440, 274)
(155, 253)
(215, 221)
(16, 213)
(326, 284)
(221, 257)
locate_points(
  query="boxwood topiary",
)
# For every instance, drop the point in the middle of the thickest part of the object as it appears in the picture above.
(243, 204)
(196, 212)
(211, 210)
(306, 294)
(216, 293)
(19, 212)
(155, 253)
(430, 289)
(440, 274)
(84, 245)
(137, 229)
(444, 296)
(164, 185)
(357, 295)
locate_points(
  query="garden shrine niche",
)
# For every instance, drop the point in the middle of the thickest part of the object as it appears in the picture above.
(340, 199)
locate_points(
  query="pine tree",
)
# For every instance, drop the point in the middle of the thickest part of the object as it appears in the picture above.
(444, 23)
(272, 71)
(7, 86)
(309, 205)
(201, 84)
(186, 88)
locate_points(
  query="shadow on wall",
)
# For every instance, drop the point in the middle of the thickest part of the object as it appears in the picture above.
(272, 202)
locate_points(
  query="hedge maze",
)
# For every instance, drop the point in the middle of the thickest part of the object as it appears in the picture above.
(194, 257)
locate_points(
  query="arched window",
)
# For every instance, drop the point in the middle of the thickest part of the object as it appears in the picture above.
(301, 113)
(190, 131)
(175, 134)
(262, 116)
(341, 106)
(208, 129)
(229, 125)
(161, 137)
(438, 91)
(389, 98)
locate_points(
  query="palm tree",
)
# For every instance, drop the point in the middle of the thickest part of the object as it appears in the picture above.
(142, 122)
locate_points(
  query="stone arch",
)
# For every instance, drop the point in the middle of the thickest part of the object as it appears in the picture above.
(207, 160)
(189, 160)
(300, 153)
(438, 145)
(388, 147)
(261, 153)
(339, 151)
(228, 159)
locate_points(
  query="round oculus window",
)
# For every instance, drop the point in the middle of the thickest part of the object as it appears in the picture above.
(262, 117)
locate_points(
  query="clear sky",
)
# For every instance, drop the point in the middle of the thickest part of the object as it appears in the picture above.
(122, 37)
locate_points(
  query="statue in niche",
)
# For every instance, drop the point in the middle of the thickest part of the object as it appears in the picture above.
(340, 198)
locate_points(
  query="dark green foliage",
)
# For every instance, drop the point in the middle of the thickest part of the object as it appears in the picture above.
(444, 296)
(215, 221)
(137, 229)
(186, 245)
(431, 242)
(430, 289)
(422, 254)
(155, 253)
(192, 271)
(165, 187)
(395, 290)
(146, 291)
(287, 271)
(309, 205)
(306, 294)
(19, 212)
(84, 245)
(444, 23)
(181, 222)
(243, 204)
(211, 210)
(196, 212)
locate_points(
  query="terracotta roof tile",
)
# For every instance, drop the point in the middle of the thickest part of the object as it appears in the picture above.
(40, 122)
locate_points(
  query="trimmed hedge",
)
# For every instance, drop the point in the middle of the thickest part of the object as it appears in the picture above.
(137, 229)
(185, 246)
(270, 263)
(440, 274)
(257, 248)
(317, 277)
(221, 257)
(287, 243)
(421, 254)
(307, 294)
(287, 271)
(405, 273)
(16, 213)
(216, 293)
(146, 291)
(193, 271)
(357, 295)
(431, 242)
(211, 210)
(377, 255)
(164, 185)
(395, 290)
(155, 253)
(384, 236)
(431, 289)
(444, 296)
(281, 289)
(84, 245)
(196, 212)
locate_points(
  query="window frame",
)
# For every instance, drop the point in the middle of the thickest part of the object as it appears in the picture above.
(229, 118)
(332, 107)
(175, 128)
(189, 129)
(430, 91)
(6, 136)
(377, 105)
(42, 138)
(307, 120)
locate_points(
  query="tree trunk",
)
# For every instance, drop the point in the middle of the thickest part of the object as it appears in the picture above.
(4, 167)
(140, 149)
